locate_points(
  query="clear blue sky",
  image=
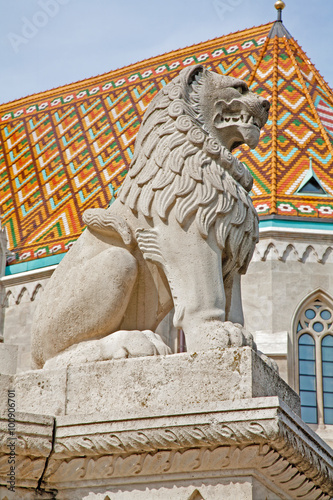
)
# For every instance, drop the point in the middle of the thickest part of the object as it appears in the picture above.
(47, 43)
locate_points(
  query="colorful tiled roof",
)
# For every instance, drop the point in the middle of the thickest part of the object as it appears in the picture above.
(68, 149)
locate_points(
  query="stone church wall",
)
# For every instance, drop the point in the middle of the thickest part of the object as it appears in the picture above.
(18, 305)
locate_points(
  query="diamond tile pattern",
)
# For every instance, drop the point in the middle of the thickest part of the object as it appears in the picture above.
(68, 149)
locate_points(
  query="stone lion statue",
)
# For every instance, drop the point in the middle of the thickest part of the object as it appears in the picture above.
(180, 234)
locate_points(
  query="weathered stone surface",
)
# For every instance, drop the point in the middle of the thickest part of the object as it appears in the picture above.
(8, 357)
(30, 444)
(41, 392)
(21, 292)
(6, 384)
(144, 386)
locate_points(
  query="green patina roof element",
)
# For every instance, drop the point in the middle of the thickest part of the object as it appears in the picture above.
(295, 224)
(23, 267)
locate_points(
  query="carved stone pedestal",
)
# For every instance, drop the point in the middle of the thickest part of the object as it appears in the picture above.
(188, 427)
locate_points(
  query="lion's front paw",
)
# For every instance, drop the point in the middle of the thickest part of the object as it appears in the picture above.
(238, 336)
(230, 334)
(215, 334)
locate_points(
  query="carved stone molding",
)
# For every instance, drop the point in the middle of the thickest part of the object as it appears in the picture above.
(16, 294)
(29, 441)
(258, 437)
(263, 459)
(262, 435)
(297, 251)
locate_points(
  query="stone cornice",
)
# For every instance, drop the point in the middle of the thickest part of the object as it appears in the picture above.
(32, 442)
(27, 276)
(260, 435)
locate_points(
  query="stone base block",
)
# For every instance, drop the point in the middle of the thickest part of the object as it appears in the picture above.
(150, 385)
(220, 424)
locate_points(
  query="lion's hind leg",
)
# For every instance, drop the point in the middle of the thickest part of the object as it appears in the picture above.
(118, 345)
(90, 306)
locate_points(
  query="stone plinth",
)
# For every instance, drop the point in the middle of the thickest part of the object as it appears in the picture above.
(150, 385)
(206, 426)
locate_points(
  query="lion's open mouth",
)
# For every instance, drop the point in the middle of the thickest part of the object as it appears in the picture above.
(243, 118)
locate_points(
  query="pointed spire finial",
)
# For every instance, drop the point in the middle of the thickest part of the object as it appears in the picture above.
(279, 5)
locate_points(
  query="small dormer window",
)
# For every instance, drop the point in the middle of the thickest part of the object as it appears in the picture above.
(311, 185)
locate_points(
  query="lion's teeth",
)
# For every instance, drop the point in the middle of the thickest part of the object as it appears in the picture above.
(251, 119)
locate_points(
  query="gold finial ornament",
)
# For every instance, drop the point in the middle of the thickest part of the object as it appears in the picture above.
(279, 5)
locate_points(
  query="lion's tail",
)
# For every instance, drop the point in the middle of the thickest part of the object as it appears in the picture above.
(102, 221)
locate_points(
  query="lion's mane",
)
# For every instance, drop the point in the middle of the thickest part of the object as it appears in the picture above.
(177, 163)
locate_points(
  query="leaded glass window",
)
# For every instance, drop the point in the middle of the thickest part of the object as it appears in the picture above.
(327, 364)
(314, 332)
(307, 377)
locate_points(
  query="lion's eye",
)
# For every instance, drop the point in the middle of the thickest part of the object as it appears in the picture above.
(240, 89)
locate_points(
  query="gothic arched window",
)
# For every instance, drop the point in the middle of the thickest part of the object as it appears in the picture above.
(314, 336)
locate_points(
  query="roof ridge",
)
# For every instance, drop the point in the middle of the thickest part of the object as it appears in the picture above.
(274, 126)
(321, 79)
(258, 62)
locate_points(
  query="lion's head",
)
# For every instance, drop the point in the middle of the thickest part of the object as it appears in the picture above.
(230, 112)
(182, 159)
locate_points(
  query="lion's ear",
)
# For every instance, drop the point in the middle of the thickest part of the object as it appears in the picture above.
(194, 71)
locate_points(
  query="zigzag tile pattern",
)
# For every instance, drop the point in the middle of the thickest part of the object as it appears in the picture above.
(68, 149)
(302, 98)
